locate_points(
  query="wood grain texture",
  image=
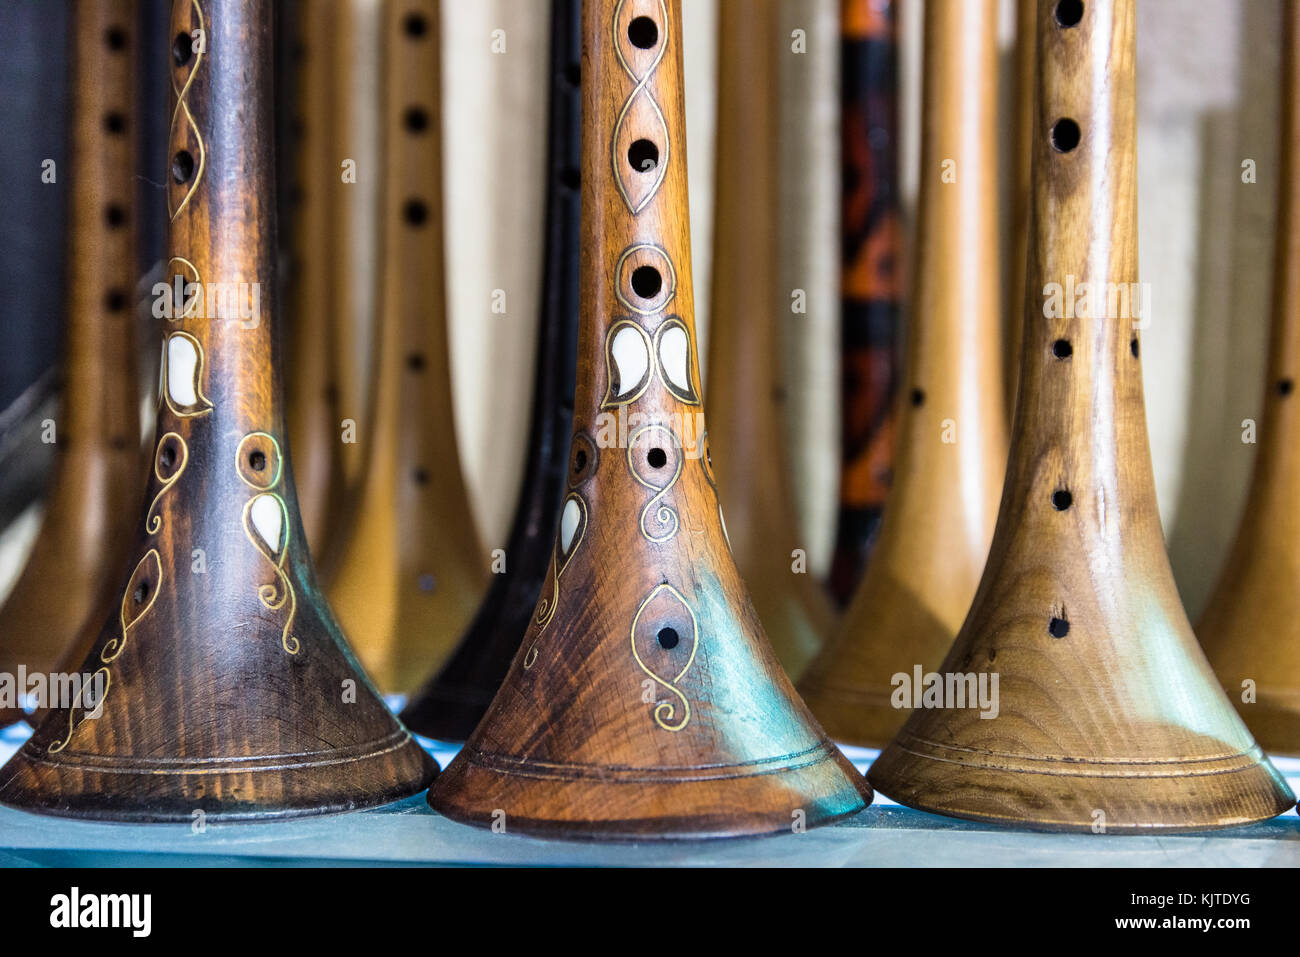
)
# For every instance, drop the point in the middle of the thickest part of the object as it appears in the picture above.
(410, 569)
(1022, 132)
(746, 392)
(645, 701)
(453, 702)
(95, 482)
(1249, 626)
(317, 250)
(871, 278)
(1108, 714)
(228, 687)
(951, 426)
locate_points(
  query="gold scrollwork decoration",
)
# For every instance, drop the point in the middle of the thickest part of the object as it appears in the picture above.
(182, 111)
(169, 461)
(665, 712)
(266, 525)
(568, 537)
(138, 598)
(638, 186)
(665, 514)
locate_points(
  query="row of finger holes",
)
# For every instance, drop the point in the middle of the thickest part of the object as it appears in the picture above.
(1065, 133)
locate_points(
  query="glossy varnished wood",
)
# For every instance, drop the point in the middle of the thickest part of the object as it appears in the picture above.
(871, 278)
(229, 687)
(95, 484)
(645, 701)
(1249, 629)
(951, 426)
(453, 702)
(745, 377)
(1109, 717)
(410, 569)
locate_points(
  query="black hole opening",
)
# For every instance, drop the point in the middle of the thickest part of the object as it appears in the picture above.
(1058, 627)
(646, 281)
(1285, 387)
(1065, 135)
(643, 32)
(115, 37)
(415, 25)
(167, 457)
(570, 178)
(643, 155)
(657, 458)
(182, 166)
(115, 300)
(1133, 346)
(421, 477)
(1069, 12)
(415, 212)
(668, 638)
(918, 397)
(415, 362)
(415, 119)
(1061, 500)
(1062, 349)
(115, 216)
(257, 460)
(141, 592)
(580, 461)
(115, 123)
(182, 49)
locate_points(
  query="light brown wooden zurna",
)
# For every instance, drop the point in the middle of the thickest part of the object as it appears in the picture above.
(952, 436)
(746, 396)
(410, 568)
(1249, 628)
(1108, 717)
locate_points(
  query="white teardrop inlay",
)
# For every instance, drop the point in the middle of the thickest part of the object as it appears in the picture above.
(182, 372)
(674, 353)
(569, 524)
(632, 359)
(267, 516)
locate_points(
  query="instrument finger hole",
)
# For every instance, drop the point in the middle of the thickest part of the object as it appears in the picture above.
(182, 49)
(647, 281)
(414, 25)
(1133, 346)
(643, 33)
(657, 458)
(115, 300)
(1285, 387)
(1061, 499)
(1069, 13)
(114, 216)
(115, 37)
(1065, 135)
(643, 155)
(415, 212)
(115, 123)
(1058, 627)
(918, 397)
(415, 119)
(668, 638)
(182, 166)
(1062, 349)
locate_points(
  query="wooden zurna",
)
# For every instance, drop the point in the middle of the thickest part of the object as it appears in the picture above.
(950, 424)
(644, 701)
(1105, 715)
(746, 400)
(84, 536)
(410, 568)
(1249, 627)
(219, 681)
(450, 705)
(871, 279)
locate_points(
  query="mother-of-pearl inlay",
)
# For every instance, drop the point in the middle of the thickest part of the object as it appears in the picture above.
(674, 357)
(182, 371)
(569, 524)
(267, 515)
(629, 350)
